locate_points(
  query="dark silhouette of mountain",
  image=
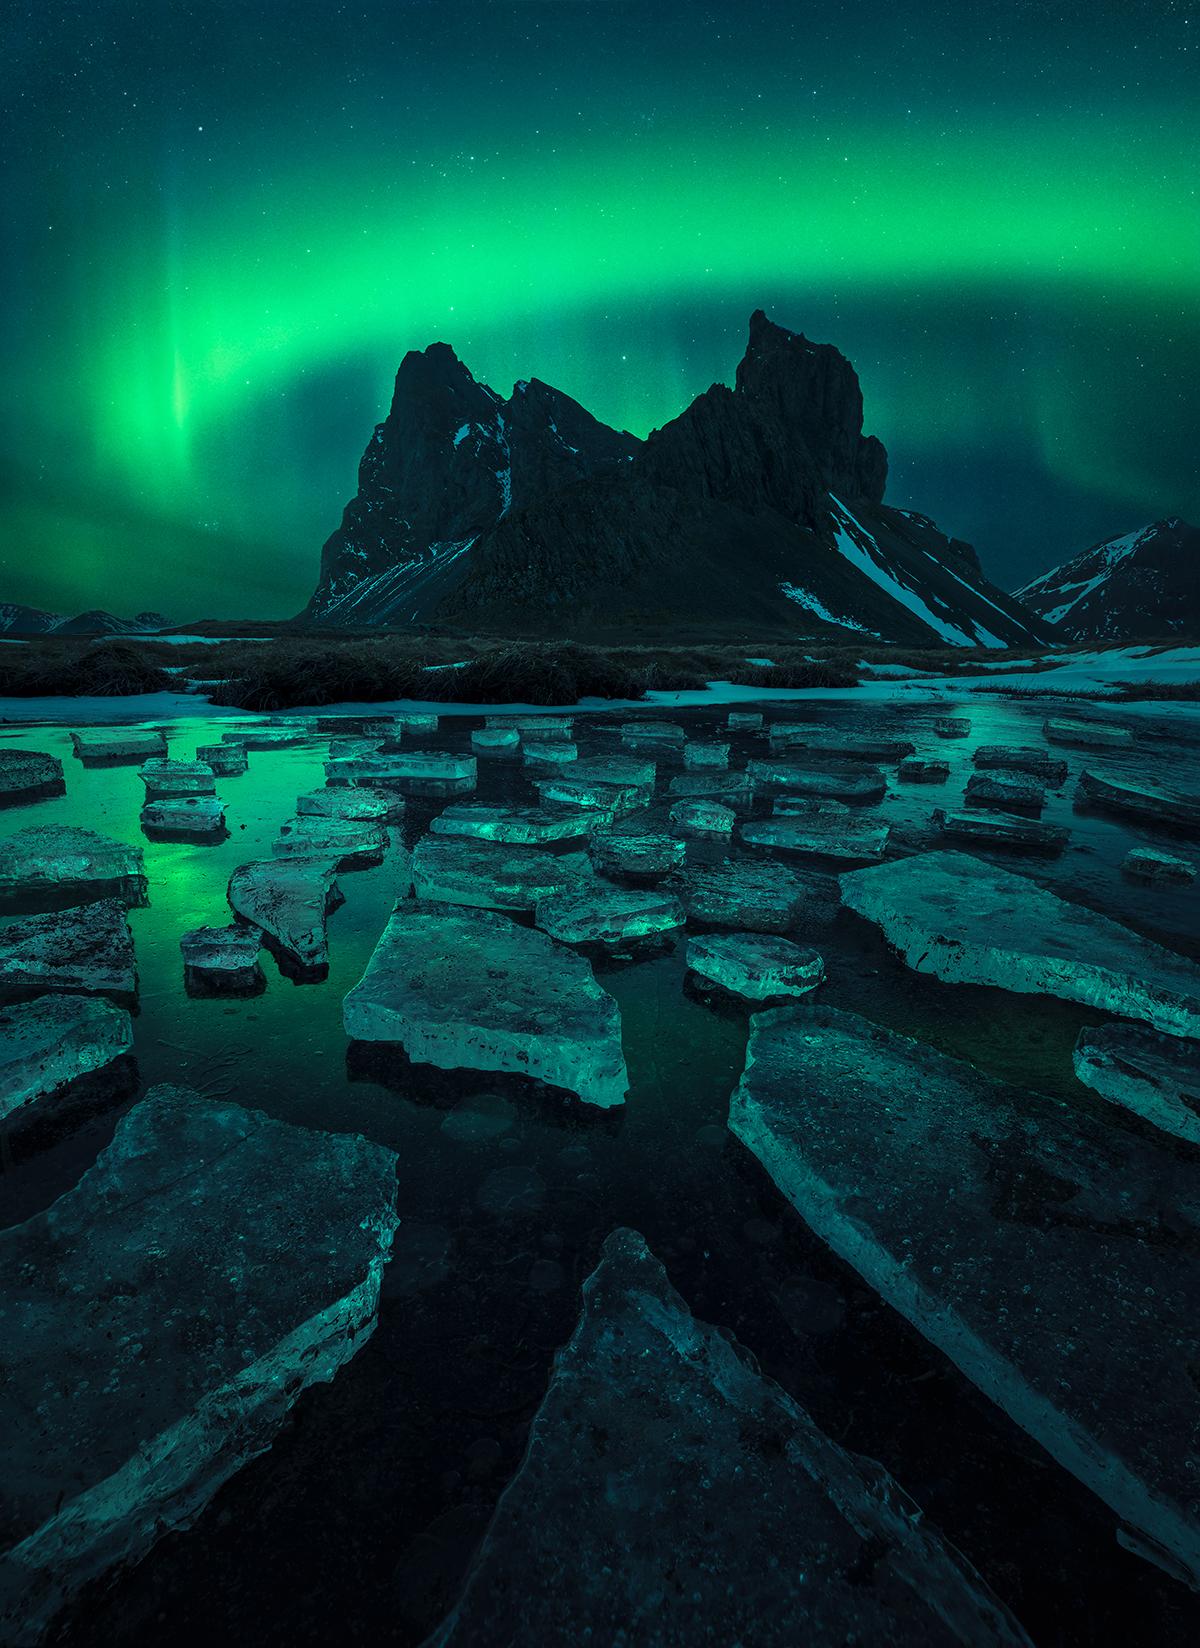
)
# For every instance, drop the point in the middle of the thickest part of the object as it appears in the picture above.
(1141, 586)
(19, 620)
(760, 504)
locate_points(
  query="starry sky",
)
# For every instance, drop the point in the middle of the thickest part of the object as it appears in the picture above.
(226, 221)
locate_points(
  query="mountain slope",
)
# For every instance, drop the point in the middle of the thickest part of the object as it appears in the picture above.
(761, 504)
(19, 620)
(1141, 586)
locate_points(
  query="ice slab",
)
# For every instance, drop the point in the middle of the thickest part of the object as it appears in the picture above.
(818, 836)
(848, 781)
(385, 806)
(118, 744)
(1086, 735)
(419, 772)
(1010, 791)
(913, 770)
(967, 922)
(223, 760)
(1157, 1077)
(28, 775)
(267, 738)
(348, 749)
(527, 826)
(744, 893)
(492, 875)
(167, 778)
(671, 1494)
(652, 732)
(952, 726)
(1141, 800)
(744, 720)
(993, 830)
(604, 800)
(417, 723)
(48, 1043)
(703, 818)
(1022, 759)
(349, 842)
(1050, 1256)
(549, 752)
(698, 755)
(495, 741)
(184, 817)
(733, 788)
(534, 726)
(220, 959)
(758, 966)
(468, 989)
(646, 854)
(60, 864)
(1145, 864)
(601, 913)
(159, 1321)
(785, 735)
(288, 900)
(614, 769)
(85, 950)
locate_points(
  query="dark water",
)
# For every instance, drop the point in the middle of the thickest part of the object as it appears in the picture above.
(358, 1524)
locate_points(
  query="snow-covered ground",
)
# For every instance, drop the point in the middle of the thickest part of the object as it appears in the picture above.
(1072, 673)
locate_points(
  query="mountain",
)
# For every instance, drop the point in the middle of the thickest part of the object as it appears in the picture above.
(19, 620)
(1142, 586)
(761, 505)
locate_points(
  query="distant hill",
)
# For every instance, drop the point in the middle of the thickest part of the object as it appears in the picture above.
(1143, 585)
(19, 620)
(758, 505)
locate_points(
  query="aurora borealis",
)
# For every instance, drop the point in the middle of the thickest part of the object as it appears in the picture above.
(227, 222)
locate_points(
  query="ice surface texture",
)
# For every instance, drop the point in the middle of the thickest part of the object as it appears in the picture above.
(670, 1494)
(61, 864)
(758, 966)
(89, 951)
(158, 1321)
(1155, 1076)
(288, 899)
(27, 775)
(1051, 1256)
(967, 922)
(466, 989)
(48, 1043)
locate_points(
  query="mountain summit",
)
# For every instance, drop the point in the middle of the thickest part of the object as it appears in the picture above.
(758, 505)
(1138, 587)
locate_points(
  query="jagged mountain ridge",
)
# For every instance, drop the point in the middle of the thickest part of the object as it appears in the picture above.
(761, 503)
(21, 620)
(1140, 586)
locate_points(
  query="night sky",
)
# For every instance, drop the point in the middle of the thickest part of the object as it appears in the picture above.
(226, 222)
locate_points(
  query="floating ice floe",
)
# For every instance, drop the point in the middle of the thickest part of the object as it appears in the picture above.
(1157, 1077)
(349, 842)
(288, 900)
(710, 1506)
(160, 1320)
(1010, 791)
(49, 1043)
(600, 913)
(496, 741)
(526, 826)
(652, 732)
(914, 770)
(605, 801)
(821, 743)
(1020, 759)
(967, 922)
(468, 989)
(60, 864)
(1086, 735)
(818, 836)
(735, 789)
(1140, 800)
(27, 776)
(85, 950)
(223, 760)
(541, 727)
(703, 818)
(1022, 1235)
(698, 756)
(550, 752)
(184, 817)
(120, 744)
(353, 803)
(952, 726)
(994, 830)
(849, 781)
(638, 854)
(492, 875)
(167, 778)
(621, 770)
(217, 960)
(744, 720)
(758, 966)
(1146, 864)
(430, 772)
(743, 893)
(251, 737)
